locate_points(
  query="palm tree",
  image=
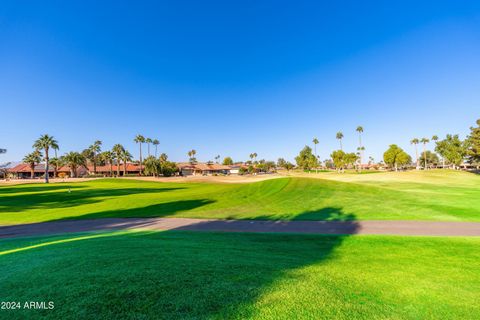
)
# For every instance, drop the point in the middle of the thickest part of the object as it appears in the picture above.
(254, 156)
(148, 141)
(118, 152)
(155, 142)
(415, 142)
(126, 156)
(45, 142)
(140, 139)
(192, 154)
(32, 159)
(425, 141)
(340, 137)
(74, 160)
(315, 142)
(95, 148)
(435, 138)
(108, 156)
(360, 131)
(217, 158)
(56, 163)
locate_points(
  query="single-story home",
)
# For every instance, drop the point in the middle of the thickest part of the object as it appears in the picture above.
(23, 170)
(187, 169)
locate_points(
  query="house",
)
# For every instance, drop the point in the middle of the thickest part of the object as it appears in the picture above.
(187, 169)
(23, 171)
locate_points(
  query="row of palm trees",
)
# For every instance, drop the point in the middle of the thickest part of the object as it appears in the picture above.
(339, 136)
(424, 141)
(118, 155)
(139, 139)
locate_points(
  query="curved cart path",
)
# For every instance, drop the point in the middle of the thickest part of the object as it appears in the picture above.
(406, 228)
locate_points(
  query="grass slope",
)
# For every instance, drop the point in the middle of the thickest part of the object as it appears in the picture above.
(186, 275)
(447, 196)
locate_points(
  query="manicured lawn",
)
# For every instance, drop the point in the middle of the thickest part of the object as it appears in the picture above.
(187, 275)
(435, 195)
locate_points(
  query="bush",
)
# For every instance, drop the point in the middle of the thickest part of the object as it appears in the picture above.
(169, 168)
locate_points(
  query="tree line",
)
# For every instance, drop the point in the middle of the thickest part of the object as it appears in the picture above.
(450, 152)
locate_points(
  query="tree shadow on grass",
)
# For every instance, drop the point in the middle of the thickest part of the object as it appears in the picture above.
(35, 187)
(176, 273)
(69, 196)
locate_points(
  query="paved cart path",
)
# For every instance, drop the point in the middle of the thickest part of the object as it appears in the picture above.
(406, 228)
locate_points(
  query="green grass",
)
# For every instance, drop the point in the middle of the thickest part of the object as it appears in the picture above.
(187, 275)
(435, 195)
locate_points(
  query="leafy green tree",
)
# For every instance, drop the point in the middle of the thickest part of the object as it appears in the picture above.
(32, 159)
(432, 158)
(45, 142)
(415, 142)
(155, 142)
(289, 166)
(341, 159)
(227, 161)
(473, 144)
(339, 137)
(138, 139)
(338, 158)
(305, 159)
(396, 156)
(74, 160)
(169, 168)
(281, 163)
(452, 149)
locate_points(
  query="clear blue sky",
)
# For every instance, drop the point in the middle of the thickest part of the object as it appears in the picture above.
(235, 77)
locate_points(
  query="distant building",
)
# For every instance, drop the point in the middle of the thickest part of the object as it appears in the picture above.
(188, 169)
(23, 171)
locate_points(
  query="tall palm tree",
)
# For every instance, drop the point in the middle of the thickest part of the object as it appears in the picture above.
(255, 156)
(126, 156)
(107, 156)
(315, 142)
(155, 142)
(339, 138)
(415, 142)
(425, 141)
(191, 155)
(148, 141)
(45, 142)
(118, 152)
(32, 159)
(95, 148)
(360, 131)
(140, 139)
(217, 158)
(435, 139)
(74, 160)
